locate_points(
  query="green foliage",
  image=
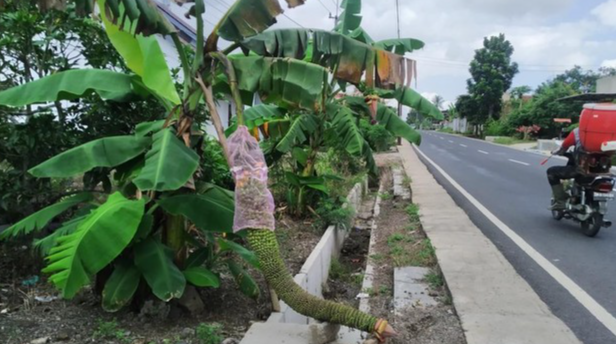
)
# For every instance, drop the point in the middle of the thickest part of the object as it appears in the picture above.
(105, 152)
(209, 334)
(145, 58)
(498, 127)
(41, 218)
(333, 212)
(379, 138)
(121, 286)
(492, 72)
(155, 261)
(435, 280)
(350, 18)
(159, 173)
(69, 85)
(96, 242)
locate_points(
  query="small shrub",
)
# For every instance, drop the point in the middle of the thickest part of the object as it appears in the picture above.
(332, 212)
(209, 334)
(496, 128)
(446, 130)
(379, 138)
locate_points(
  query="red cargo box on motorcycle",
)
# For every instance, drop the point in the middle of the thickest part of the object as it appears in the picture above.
(598, 127)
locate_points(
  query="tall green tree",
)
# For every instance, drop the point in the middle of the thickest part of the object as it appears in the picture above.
(492, 72)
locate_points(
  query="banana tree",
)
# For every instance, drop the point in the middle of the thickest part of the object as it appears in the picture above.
(169, 219)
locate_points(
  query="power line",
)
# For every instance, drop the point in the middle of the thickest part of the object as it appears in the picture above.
(325, 7)
(291, 19)
(436, 59)
(527, 68)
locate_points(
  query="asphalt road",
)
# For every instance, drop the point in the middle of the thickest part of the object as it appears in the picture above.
(512, 185)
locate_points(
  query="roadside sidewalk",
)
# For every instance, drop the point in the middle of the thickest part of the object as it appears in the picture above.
(494, 303)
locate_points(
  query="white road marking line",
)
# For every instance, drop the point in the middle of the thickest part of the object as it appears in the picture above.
(441, 138)
(598, 311)
(465, 146)
(450, 141)
(519, 162)
(483, 152)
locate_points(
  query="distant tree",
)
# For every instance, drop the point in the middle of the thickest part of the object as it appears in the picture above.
(607, 71)
(468, 108)
(492, 72)
(520, 91)
(438, 101)
(580, 80)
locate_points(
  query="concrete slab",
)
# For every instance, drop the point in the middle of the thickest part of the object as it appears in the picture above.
(410, 289)
(268, 333)
(494, 303)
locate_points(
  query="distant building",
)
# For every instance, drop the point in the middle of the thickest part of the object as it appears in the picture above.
(508, 105)
(606, 85)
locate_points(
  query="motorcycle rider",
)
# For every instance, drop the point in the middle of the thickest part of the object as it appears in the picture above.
(569, 171)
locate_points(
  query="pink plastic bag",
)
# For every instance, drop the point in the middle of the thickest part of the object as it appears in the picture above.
(254, 203)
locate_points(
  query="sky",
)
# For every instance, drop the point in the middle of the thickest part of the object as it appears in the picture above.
(549, 36)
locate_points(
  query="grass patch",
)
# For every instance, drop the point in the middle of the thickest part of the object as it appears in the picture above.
(377, 257)
(386, 196)
(445, 130)
(435, 280)
(209, 334)
(413, 211)
(109, 330)
(343, 273)
(509, 141)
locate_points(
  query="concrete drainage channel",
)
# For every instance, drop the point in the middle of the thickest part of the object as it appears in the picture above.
(410, 289)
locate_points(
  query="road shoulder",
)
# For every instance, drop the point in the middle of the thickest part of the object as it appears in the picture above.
(494, 303)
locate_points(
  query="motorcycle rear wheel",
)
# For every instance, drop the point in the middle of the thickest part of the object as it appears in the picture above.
(558, 215)
(592, 226)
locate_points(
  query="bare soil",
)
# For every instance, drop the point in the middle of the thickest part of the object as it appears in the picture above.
(81, 320)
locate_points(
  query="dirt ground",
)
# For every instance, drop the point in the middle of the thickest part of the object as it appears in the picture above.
(400, 241)
(24, 319)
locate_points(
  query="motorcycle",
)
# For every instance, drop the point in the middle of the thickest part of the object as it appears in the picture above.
(588, 194)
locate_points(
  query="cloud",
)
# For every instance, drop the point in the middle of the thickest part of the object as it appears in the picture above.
(609, 63)
(605, 13)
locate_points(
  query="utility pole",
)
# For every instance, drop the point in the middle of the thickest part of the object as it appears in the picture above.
(398, 28)
(335, 18)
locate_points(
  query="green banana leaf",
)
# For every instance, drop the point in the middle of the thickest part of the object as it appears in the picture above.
(198, 257)
(298, 133)
(350, 59)
(168, 165)
(247, 284)
(347, 131)
(41, 218)
(70, 85)
(250, 17)
(211, 212)
(137, 16)
(394, 124)
(97, 241)
(361, 35)
(44, 245)
(155, 261)
(121, 286)
(400, 46)
(229, 246)
(350, 18)
(201, 277)
(105, 152)
(411, 98)
(145, 128)
(288, 82)
(144, 57)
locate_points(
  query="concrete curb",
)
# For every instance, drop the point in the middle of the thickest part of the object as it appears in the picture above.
(494, 303)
